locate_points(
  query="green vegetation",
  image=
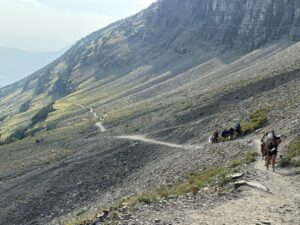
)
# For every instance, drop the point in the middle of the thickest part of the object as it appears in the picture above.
(29, 129)
(2, 118)
(113, 219)
(258, 119)
(294, 148)
(24, 107)
(117, 115)
(216, 176)
(80, 220)
(191, 185)
(61, 88)
(293, 151)
(127, 110)
(24, 154)
(284, 162)
(296, 163)
(42, 114)
(249, 158)
(18, 134)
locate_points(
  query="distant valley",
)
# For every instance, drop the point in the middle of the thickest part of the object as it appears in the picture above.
(16, 64)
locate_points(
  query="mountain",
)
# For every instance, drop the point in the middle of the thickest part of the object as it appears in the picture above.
(130, 107)
(147, 49)
(16, 64)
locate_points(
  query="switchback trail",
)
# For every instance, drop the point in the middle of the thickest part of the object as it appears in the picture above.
(138, 137)
(279, 207)
(95, 115)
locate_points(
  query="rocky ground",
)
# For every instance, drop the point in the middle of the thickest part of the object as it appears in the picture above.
(79, 169)
(98, 168)
(278, 204)
(208, 203)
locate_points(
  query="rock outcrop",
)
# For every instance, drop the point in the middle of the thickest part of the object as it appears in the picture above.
(245, 24)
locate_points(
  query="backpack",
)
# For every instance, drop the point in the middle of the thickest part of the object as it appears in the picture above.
(270, 140)
(270, 136)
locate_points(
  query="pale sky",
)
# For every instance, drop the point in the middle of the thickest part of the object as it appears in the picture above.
(43, 25)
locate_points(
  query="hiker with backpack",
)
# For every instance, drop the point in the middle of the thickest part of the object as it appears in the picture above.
(272, 142)
(224, 135)
(230, 134)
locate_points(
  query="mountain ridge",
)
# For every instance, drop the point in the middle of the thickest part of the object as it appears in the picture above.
(227, 24)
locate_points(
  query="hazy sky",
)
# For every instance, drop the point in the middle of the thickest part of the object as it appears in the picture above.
(41, 25)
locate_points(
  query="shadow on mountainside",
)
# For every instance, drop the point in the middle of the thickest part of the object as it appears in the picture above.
(182, 127)
(64, 186)
(228, 100)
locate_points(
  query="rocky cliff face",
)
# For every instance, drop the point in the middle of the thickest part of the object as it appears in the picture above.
(183, 27)
(175, 27)
(243, 24)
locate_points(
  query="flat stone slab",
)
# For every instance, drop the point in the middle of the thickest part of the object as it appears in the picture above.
(236, 176)
(251, 184)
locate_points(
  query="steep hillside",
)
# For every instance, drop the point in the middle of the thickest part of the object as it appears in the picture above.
(130, 107)
(161, 42)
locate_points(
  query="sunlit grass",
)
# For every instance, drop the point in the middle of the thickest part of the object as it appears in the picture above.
(292, 153)
(258, 119)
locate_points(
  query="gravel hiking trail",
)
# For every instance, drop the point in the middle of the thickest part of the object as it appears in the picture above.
(152, 141)
(100, 126)
(278, 207)
(138, 137)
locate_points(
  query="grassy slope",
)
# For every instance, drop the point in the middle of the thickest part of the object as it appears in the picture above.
(123, 101)
(111, 101)
(26, 155)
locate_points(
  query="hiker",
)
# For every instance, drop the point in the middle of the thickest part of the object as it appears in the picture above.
(263, 146)
(272, 146)
(231, 133)
(213, 138)
(238, 129)
(224, 134)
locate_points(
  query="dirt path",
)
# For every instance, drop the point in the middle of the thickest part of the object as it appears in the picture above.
(138, 137)
(152, 141)
(100, 126)
(280, 206)
(95, 115)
